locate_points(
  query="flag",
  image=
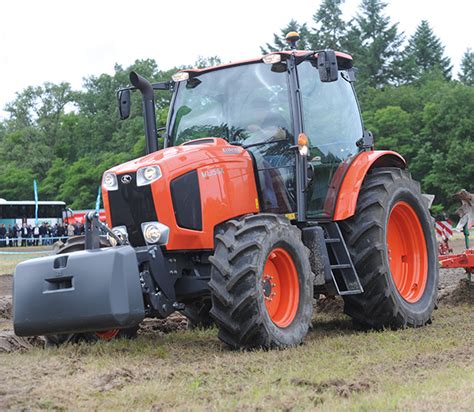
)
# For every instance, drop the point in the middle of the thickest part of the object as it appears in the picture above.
(35, 187)
(97, 202)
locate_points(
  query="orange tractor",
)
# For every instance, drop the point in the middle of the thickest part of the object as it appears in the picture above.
(267, 192)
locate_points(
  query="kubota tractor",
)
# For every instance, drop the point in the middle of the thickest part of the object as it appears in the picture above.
(267, 192)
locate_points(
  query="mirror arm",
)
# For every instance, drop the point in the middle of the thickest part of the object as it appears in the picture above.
(161, 86)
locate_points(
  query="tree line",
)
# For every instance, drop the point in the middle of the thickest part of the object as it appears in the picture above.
(66, 138)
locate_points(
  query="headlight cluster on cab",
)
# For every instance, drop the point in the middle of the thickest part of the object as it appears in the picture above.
(109, 181)
(147, 175)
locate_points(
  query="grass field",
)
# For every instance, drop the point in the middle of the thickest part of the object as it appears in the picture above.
(338, 367)
(11, 256)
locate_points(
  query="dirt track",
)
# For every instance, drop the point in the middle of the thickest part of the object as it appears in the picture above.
(454, 289)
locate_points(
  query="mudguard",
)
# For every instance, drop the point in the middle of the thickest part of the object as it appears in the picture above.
(84, 291)
(349, 190)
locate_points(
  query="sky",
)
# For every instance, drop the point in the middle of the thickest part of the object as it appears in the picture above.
(55, 41)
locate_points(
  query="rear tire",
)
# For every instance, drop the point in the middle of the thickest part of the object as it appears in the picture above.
(77, 244)
(392, 244)
(261, 283)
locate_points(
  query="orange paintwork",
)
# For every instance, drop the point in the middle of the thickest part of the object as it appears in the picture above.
(226, 182)
(407, 253)
(107, 334)
(349, 192)
(280, 287)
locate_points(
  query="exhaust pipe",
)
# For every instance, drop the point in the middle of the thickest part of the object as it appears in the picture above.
(149, 118)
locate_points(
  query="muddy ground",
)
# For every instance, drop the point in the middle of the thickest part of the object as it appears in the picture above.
(454, 289)
(170, 368)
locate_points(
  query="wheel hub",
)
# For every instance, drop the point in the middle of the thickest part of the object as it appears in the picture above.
(268, 287)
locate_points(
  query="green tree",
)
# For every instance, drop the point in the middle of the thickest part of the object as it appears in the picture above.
(329, 26)
(466, 75)
(375, 43)
(204, 62)
(16, 182)
(279, 42)
(423, 53)
(33, 128)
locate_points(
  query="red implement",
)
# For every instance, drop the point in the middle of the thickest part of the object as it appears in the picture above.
(463, 260)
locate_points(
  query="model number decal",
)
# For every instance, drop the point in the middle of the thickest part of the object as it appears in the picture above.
(212, 172)
(231, 150)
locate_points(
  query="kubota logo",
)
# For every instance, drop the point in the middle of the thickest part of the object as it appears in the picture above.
(126, 179)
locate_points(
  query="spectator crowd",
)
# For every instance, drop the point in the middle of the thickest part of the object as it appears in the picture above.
(43, 234)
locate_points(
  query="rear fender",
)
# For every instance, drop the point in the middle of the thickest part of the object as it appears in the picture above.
(349, 191)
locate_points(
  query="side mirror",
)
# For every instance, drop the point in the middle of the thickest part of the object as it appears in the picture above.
(327, 66)
(123, 100)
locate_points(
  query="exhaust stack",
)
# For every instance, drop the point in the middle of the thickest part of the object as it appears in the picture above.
(149, 118)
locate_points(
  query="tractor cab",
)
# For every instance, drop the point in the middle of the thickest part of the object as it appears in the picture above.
(264, 106)
(268, 106)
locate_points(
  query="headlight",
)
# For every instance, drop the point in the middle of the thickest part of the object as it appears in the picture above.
(147, 175)
(271, 58)
(120, 232)
(180, 76)
(109, 181)
(155, 232)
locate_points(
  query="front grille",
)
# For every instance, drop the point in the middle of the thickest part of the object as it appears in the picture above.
(130, 206)
(187, 201)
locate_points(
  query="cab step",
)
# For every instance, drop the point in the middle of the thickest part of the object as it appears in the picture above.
(343, 271)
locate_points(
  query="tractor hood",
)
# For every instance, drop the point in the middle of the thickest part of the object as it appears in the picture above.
(202, 183)
(177, 160)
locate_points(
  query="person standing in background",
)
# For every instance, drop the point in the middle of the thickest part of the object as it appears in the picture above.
(70, 230)
(3, 235)
(15, 234)
(9, 236)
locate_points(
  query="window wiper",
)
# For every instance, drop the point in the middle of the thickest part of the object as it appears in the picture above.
(255, 144)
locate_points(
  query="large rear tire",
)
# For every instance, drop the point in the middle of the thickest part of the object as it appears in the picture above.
(392, 244)
(76, 244)
(261, 283)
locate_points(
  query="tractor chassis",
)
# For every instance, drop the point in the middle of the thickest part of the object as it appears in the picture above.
(85, 291)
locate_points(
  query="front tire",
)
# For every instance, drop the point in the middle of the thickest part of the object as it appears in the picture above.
(392, 244)
(261, 283)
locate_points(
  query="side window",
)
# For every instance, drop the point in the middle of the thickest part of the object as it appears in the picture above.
(333, 125)
(331, 114)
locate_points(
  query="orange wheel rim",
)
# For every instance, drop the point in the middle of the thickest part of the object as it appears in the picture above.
(407, 253)
(280, 287)
(107, 334)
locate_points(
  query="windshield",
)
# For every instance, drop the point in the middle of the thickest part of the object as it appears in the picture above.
(246, 104)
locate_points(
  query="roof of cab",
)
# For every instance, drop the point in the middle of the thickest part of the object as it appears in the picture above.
(299, 53)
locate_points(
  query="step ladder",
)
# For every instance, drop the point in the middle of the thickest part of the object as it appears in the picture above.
(343, 271)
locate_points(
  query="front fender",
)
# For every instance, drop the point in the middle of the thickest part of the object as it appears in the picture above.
(349, 191)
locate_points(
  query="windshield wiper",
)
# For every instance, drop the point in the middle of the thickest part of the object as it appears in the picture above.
(255, 144)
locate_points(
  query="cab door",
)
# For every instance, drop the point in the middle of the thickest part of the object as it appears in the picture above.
(332, 122)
